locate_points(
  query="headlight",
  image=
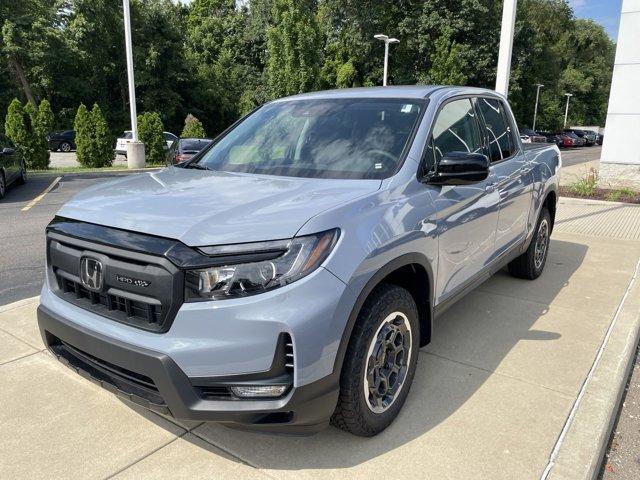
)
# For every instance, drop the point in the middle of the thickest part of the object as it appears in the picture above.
(248, 269)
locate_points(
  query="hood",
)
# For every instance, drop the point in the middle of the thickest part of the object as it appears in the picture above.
(212, 208)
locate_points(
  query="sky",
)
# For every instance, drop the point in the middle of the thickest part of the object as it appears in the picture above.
(605, 12)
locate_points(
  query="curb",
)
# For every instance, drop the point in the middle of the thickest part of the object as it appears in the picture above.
(584, 440)
(18, 304)
(590, 201)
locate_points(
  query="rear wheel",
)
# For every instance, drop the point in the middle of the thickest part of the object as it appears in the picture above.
(531, 263)
(380, 362)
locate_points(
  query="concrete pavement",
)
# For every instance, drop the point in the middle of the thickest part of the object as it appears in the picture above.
(522, 378)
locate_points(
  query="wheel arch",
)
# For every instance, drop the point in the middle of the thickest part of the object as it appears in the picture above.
(411, 271)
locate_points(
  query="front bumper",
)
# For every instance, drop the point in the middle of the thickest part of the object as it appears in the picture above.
(155, 381)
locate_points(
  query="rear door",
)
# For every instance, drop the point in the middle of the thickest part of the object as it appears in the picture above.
(9, 159)
(467, 214)
(511, 170)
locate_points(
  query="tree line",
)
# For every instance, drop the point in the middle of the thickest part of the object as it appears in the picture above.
(219, 59)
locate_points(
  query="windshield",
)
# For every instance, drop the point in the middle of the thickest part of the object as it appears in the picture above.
(323, 138)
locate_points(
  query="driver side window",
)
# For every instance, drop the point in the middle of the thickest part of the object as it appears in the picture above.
(455, 130)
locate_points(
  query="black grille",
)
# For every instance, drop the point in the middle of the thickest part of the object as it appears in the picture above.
(150, 313)
(138, 289)
(288, 353)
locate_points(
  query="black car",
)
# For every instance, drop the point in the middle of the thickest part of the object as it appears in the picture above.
(188, 147)
(63, 141)
(12, 167)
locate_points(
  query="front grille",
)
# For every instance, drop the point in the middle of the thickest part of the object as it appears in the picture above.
(137, 289)
(133, 309)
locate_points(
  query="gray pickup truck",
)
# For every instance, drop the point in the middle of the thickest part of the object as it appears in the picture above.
(287, 275)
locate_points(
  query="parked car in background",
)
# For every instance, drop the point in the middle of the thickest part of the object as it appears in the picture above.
(532, 136)
(127, 136)
(576, 140)
(556, 138)
(188, 147)
(586, 135)
(64, 141)
(591, 137)
(290, 273)
(12, 167)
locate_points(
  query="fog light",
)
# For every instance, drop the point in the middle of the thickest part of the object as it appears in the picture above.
(258, 391)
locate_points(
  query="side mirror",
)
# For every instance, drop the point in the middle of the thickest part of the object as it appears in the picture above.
(8, 151)
(459, 168)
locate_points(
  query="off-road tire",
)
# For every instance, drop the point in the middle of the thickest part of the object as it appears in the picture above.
(526, 266)
(352, 413)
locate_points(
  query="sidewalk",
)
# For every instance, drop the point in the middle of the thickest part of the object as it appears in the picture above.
(521, 381)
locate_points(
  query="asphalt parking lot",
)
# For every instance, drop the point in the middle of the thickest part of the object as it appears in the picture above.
(576, 156)
(22, 235)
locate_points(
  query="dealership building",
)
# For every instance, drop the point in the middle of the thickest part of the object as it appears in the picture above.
(620, 163)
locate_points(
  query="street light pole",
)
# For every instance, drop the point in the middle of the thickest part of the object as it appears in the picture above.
(386, 41)
(134, 148)
(566, 112)
(129, 53)
(506, 46)
(535, 111)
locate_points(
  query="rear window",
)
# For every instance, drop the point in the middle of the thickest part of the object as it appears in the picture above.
(193, 145)
(127, 135)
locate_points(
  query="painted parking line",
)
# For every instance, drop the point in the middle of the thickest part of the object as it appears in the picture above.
(42, 195)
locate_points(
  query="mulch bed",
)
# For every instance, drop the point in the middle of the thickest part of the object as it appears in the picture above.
(602, 194)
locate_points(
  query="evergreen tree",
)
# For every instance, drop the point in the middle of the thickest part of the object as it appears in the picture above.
(150, 132)
(102, 150)
(193, 128)
(46, 119)
(82, 126)
(14, 125)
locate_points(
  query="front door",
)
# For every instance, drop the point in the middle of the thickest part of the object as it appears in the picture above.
(512, 173)
(467, 214)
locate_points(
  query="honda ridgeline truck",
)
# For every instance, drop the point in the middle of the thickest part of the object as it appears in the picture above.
(288, 274)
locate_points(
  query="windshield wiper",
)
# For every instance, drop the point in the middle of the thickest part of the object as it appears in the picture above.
(196, 166)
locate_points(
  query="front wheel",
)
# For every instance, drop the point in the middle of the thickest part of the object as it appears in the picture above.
(531, 263)
(3, 185)
(65, 147)
(380, 362)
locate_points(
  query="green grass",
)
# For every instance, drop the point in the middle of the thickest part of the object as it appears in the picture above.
(617, 195)
(584, 187)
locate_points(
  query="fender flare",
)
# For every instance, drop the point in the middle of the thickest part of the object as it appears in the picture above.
(374, 281)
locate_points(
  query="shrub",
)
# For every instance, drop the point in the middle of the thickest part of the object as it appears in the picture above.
(45, 118)
(150, 132)
(585, 187)
(22, 125)
(14, 124)
(103, 153)
(192, 128)
(82, 126)
(93, 140)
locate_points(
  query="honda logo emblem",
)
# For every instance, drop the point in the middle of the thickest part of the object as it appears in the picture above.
(91, 273)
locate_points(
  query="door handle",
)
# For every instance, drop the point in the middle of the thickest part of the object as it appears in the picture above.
(490, 187)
